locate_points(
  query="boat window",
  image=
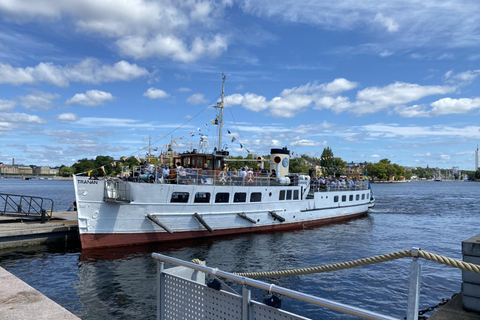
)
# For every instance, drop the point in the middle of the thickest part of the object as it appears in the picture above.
(363, 197)
(357, 197)
(350, 198)
(222, 197)
(218, 164)
(289, 194)
(199, 162)
(295, 194)
(179, 197)
(240, 197)
(202, 197)
(282, 195)
(256, 197)
(344, 198)
(335, 199)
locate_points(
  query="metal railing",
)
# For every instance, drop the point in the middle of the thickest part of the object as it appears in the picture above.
(193, 286)
(28, 205)
(208, 177)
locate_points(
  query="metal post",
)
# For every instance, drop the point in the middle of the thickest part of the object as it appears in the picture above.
(160, 291)
(414, 287)
(246, 294)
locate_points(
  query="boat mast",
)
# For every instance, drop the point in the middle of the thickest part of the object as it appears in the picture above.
(220, 105)
(149, 145)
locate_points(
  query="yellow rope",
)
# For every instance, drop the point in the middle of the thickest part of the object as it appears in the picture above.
(364, 262)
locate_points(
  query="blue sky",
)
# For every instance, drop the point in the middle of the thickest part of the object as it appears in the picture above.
(369, 79)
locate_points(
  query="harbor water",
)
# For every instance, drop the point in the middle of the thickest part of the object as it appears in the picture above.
(120, 283)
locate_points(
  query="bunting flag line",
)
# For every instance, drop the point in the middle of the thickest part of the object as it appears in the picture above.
(103, 169)
(241, 146)
(155, 149)
(233, 139)
(199, 130)
(113, 164)
(88, 172)
(191, 134)
(138, 159)
(229, 131)
(248, 150)
(124, 158)
(213, 122)
(181, 137)
(175, 142)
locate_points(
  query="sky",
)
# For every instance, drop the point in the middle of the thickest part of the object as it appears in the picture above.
(370, 79)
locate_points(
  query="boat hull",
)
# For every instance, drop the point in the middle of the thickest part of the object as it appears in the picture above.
(102, 240)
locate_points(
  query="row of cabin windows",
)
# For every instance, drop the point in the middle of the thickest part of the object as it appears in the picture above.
(350, 197)
(288, 195)
(220, 197)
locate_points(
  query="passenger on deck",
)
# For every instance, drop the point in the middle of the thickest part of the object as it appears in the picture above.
(274, 174)
(166, 172)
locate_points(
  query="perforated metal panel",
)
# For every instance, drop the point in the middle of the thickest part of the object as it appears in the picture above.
(262, 312)
(189, 300)
(185, 299)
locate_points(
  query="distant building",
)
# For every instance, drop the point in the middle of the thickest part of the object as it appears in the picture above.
(46, 171)
(24, 170)
(7, 169)
(355, 170)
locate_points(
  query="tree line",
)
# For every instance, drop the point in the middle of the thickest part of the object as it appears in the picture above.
(331, 165)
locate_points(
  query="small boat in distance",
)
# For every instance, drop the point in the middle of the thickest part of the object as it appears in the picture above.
(208, 200)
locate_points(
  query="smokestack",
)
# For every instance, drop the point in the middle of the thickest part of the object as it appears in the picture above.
(13, 161)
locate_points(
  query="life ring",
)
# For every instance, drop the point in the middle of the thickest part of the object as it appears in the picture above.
(250, 178)
(222, 176)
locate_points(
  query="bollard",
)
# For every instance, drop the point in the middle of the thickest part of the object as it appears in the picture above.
(42, 212)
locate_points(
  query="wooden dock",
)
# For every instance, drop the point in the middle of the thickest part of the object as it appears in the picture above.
(18, 231)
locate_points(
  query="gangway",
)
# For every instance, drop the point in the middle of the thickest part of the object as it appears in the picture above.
(29, 207)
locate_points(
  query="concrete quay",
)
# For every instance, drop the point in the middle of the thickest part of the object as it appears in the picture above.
(19, 231)
(18, 300)
(453, 310)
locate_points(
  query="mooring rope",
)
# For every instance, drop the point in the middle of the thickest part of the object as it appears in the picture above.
(364, 262)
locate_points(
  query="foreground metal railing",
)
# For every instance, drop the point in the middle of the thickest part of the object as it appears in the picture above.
(183, 294)
(28, 205)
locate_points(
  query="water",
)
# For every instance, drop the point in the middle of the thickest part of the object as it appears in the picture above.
(120, 283)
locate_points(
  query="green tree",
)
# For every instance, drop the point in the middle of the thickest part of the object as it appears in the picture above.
(326, 160)
(477, 174)
(66, 171)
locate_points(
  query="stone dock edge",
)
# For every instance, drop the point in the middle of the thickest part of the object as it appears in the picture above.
(18, 300)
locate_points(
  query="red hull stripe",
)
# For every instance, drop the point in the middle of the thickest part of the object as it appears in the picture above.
(101, 240)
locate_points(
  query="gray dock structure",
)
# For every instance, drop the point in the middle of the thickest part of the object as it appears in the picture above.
(21, 232)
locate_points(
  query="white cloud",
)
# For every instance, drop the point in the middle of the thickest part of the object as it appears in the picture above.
(38, 100)
(294, 100)
(374, 156)
(388, 23)
(20, 118)
(7, 105)
(91, 98)
(463, 78)
(374, 99)
(197, 98)
(153, 93)
(423, 23)
(183, 89)
(67, 117)
(180, 31)
(87, 71)
(441, 107)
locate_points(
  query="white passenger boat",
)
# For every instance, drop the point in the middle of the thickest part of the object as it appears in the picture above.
(209, 202)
